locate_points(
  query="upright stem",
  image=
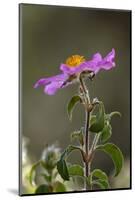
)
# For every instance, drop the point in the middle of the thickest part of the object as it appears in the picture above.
(87, 124)
(86, 163)
(87, 116)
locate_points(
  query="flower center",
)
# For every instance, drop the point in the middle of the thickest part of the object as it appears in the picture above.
(75, 60)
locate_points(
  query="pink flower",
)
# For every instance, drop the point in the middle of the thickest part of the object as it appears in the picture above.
(73, 67)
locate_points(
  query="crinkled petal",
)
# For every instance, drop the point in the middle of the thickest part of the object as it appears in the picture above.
(52, 88)
(97, 57)
(69, 70)
(91, 65)
(108, 61)
(94, 65)
(45, 81)
(52, 84)
(41, 81)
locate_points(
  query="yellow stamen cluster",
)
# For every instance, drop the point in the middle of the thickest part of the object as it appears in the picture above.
(75, 60)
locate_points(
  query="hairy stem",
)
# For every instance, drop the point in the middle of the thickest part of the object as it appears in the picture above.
(95, 141)
(86, 163)
(87, 124)
(85, 91)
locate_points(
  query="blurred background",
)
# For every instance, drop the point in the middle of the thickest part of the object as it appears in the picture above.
(50, 34)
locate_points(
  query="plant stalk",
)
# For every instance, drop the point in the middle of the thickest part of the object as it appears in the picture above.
(86, 137)
(87, 163)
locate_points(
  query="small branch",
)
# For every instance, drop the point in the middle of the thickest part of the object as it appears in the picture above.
(95, 141)
(85, 91)
(83, 85)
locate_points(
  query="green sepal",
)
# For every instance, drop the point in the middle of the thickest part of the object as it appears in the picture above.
(75, 99)
(115, 153)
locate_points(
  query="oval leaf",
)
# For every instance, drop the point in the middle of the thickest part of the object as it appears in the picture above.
(98, 124)
(59, 187)
(62, 169)
(76, 170)
(43, 189)
(98, 173)
(101, 183)
(98, 177)
(115, 153)
(71, 105)
(106, 133)
(61, 164)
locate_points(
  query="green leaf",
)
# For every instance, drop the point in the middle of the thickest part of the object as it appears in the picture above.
(62, 169)
(61, 164)
(98, 173)
(59, 187)
(101, 183)
(78, 135)
(32, 173)
(43, 189)
(98, 125)
(68, 150)
(92, 119)
(71, 105)
(109, 116)
(106, 133)
(76, 170)
(115, 153)
(98, 177)
(115, 113)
